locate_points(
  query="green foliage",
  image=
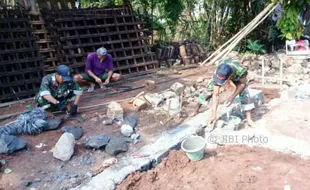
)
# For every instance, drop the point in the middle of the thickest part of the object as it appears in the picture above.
(255, 47)
(289, 23)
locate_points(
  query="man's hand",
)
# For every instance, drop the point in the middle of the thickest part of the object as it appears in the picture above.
(229, 101)
(98, 80)
(61, 106)
(107, 81)
(73, 110)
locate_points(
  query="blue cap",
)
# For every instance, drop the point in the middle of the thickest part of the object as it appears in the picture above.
(64, 72)
(222, 74)
(102, 51)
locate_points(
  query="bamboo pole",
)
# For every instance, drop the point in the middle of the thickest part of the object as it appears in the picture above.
(231, 46)
(236, 35)
(250, 27)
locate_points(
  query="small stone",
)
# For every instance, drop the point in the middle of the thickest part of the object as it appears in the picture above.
(107, 121)
(126, 130)
(86, 159)
(135, 136)
(76, 131)
(295, 68)
(7, 171)
(178, 88)
(200, 80)
(150, 85)
(36, 180)
(2, 162)
(27, 183)
(115, 111)
(64, 148)
(135, 141)
(116, 146)
(97, 142)
(155, 99)
(89, 174)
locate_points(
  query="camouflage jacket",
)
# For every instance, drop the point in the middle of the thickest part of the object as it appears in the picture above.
(49, 86)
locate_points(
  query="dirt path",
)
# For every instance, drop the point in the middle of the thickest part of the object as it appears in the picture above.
(230, 168)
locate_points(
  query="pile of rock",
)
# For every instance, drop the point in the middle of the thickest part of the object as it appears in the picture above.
(295, 71)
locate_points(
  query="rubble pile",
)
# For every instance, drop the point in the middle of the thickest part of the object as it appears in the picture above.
(295, 71)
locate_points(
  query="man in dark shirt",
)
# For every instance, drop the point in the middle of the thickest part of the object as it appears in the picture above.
(58, 91)
(99, 69)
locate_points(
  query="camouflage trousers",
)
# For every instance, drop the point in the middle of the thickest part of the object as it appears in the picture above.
(41, 102)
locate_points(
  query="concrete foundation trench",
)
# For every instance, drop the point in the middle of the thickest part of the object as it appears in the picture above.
(240, 158)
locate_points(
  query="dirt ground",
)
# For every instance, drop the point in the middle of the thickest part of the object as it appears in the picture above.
(227, 168)
(38, 163)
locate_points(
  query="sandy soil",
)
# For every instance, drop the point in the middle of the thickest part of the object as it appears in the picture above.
(227, 168)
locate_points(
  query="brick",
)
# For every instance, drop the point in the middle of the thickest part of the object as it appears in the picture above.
(139, 104)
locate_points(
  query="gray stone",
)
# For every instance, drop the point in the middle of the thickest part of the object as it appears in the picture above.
(168, 94)
(107, 121)
(76, 131)
(36, 180)
(116, 146)
(126, 130)
(10, 144)
(178, 88)
(89, 174)
(97, 142)
(131, 120)
(115, 111)
(174, 105)
(246, 63)
(155, 99)
(27, 183)
(86, 159)
(135, 136)
(53, 124)
(64, 148)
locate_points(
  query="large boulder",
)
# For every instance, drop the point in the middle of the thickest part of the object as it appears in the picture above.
(116, 146)
(76, 131)
(64, 148)
(97, 142)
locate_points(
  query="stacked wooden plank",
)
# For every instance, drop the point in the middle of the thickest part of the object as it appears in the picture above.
(47, 47)
(20, 63)
(82, 31)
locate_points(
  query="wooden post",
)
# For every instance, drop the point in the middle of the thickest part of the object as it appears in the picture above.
(59, 5)
(281, 73)
(263, 72)
(49, 6)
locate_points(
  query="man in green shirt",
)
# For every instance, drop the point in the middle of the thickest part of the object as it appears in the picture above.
(228, 70)
(58, 91)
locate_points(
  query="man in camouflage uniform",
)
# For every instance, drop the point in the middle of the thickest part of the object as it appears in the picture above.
(58, 91)
(228, 70)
